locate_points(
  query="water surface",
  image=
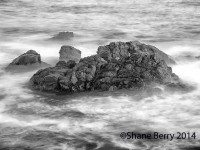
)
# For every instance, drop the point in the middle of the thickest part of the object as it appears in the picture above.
(30, 120)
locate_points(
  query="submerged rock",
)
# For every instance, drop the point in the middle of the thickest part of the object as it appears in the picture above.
(187, 56)
(28, 61)
(69, 53)
(63, 36)
(115, 66)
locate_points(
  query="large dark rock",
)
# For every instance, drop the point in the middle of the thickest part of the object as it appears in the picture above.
(69, 53)
(63, 36)
(115, 66)
(26, 62)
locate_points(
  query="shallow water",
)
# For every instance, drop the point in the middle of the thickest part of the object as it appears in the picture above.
(31, 120)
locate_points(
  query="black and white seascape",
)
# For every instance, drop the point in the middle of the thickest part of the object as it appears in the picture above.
(113, 75)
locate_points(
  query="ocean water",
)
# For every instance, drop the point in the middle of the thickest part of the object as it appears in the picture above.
(35, 121)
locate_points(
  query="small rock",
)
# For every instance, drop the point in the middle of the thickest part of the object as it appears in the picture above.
(63, 36)
(69, 53)
(28, 61)
(30, 57)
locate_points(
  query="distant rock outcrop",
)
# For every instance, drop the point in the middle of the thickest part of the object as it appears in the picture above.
(63, 36)
(69, 53)
(115, 66)
(187, 56)
(28, 61)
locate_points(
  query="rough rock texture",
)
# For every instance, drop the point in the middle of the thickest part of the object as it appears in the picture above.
(124, 49)
(69, 53)
(63, 36)
(115, 66)
(63, 64)
(27, 61)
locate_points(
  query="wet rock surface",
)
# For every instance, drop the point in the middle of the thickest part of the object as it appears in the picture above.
(26, 62)
(69, 53)
(118, 65)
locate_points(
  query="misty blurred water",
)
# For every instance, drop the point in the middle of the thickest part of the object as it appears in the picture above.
(29, 120)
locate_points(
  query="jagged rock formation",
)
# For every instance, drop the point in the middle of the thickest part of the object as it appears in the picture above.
(115, 66)
(63, 36)
(28, 61)
(69, 53)
(119, 49)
